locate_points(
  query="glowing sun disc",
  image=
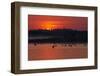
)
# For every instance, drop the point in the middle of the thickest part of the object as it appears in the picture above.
(48, 27)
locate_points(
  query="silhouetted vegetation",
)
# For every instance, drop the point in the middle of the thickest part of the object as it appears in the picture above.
(57, 36)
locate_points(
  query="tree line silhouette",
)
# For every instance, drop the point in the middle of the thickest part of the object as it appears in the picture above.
(58, 36)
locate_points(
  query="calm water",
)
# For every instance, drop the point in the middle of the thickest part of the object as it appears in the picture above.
(56, 51)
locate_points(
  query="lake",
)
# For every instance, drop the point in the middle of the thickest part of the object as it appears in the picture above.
(50, 51)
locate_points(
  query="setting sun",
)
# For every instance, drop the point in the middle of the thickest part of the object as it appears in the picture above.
(48, 26)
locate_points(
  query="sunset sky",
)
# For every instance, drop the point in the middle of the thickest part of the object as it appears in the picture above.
(44, 22)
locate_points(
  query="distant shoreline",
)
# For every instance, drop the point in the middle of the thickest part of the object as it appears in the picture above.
(57, 36)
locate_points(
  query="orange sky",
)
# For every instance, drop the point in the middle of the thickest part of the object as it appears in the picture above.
(36, 22)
